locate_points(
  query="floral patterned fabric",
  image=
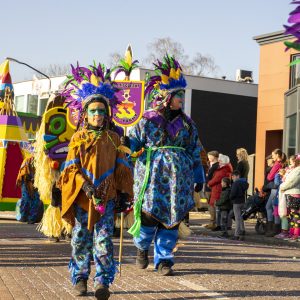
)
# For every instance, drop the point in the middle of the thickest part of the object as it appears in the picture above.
(164, 242)
(173, 172)
(97, 244)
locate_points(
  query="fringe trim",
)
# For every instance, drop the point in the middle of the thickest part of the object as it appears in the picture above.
(197, 200)
(51, 224)
(67, 228)
(128, 220)
(124, 179)
(184, 231)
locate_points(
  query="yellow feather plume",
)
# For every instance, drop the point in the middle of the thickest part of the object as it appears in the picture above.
(164, 79)
(172, 73)
(128, 55)
(175, 74)
(94, 80)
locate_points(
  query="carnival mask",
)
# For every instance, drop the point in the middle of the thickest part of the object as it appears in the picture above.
(60, 125)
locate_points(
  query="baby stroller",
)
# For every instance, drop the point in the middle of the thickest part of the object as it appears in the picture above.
(255, 207)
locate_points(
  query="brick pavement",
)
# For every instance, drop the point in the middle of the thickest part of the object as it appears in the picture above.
(207, 268)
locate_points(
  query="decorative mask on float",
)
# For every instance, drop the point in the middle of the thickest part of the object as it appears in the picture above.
(60, 125)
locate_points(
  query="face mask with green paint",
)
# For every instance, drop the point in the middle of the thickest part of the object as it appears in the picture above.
(96, 112)
(180, 94)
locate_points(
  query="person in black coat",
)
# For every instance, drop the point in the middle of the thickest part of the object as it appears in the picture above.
(237, 197)
(224, 205)
(243, 164)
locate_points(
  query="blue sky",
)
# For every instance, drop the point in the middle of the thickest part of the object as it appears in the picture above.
(43, 32)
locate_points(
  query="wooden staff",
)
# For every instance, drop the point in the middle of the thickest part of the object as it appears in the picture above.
(121, 231)
(121, 243)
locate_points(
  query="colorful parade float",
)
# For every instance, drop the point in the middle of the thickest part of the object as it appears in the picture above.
(13, 142)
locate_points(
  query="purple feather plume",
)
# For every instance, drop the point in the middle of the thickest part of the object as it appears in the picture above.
(294, 18)
(75, 92)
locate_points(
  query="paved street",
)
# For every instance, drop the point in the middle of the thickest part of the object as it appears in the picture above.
(207, 268)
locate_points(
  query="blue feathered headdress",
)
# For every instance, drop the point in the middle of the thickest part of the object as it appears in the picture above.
(168, 79)
(86, 82)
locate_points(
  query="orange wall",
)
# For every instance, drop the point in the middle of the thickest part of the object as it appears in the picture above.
(273, 83)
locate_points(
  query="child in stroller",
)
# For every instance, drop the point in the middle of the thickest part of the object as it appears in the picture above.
(255, 207)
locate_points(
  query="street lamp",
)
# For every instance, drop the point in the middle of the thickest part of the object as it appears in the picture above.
(22, 63)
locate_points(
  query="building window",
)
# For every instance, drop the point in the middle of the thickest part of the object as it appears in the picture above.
(42, 105)
(294, 72)
(32, 104)
(20, 103)
(291, 134)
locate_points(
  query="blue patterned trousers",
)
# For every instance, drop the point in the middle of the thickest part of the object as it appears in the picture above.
(164, 240)
(97, 244)
(27, 206)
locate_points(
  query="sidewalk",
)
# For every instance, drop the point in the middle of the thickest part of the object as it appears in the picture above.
(199, 219)
(7, 215)
(206, 268)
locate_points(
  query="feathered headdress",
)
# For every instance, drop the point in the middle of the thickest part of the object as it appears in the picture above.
(85, 83)
(294, 30)
(126, 64)
(168, 79)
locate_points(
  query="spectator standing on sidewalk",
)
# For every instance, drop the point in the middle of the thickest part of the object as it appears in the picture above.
(291, 189)
(224, 204)
(224, 170)
(243, 164)
(237, 197)
(273, 225)
(243, 168)
(213, 158)
(270, 164)
(282, 206)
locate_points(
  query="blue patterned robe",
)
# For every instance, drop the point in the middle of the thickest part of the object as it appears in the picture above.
(173, 172)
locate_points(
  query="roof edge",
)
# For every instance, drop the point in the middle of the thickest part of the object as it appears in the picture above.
(272, 37)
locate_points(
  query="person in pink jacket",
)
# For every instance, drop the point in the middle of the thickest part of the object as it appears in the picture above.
(273, 225)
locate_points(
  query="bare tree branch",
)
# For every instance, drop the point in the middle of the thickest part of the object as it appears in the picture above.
(54, 70)
(200, 65)
(113, 59)
(159, 47)
(203, 65)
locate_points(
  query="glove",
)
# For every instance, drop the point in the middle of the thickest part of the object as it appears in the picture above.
(123, 203)
(198, 187)
(88, 189)
(125, 141)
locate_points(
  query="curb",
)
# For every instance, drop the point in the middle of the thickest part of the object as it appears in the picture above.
(250, 237)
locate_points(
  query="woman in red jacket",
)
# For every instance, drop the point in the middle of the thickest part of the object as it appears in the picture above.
(224, 170)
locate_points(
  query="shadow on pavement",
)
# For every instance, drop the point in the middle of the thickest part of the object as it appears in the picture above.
(244, 272)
